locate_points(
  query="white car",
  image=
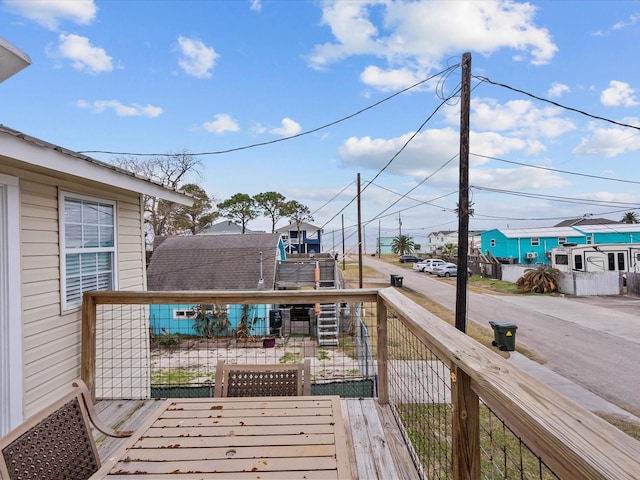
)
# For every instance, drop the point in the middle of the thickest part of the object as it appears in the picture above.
(435, 262)
(428, 264)
(420, 266)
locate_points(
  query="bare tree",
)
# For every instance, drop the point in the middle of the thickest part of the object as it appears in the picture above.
(169, 170)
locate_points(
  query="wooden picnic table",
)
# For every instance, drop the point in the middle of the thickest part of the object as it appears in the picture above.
(233, 438)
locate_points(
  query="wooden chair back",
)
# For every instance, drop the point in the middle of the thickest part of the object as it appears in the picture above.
(55, 443)
(262, 380)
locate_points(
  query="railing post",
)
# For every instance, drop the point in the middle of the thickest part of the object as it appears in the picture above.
(466, 427)
(88, 349)
(381, 325)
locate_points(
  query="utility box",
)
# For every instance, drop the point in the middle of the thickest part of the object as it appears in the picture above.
(504, 335)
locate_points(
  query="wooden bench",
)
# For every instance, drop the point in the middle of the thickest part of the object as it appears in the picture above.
(56, 443)
(262, 380)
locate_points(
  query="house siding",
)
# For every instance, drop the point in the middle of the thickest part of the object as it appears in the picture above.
(51, 338)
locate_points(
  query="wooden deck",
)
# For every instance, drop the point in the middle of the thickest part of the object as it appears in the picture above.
(376, 447)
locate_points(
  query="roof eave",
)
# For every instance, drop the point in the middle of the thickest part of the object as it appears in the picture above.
(33, 151)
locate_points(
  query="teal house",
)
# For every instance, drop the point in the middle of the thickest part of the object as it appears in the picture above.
(532, 246)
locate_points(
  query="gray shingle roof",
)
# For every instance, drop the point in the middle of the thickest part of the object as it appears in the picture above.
(214, 262)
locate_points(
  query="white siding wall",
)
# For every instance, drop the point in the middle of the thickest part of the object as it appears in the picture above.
(51, 339)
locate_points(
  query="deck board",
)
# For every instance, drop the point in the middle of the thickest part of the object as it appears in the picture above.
(377, 448)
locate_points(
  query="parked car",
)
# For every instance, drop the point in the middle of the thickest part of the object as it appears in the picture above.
(448, 270)
(432, 263)
(409, 259)
(420, 266)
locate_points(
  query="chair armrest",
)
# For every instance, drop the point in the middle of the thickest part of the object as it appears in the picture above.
(93, 415)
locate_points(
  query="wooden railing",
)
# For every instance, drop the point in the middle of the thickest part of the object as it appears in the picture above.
(570, 441)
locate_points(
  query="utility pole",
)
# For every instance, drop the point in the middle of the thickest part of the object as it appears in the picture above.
(379, 239)
(400, 235)
(359, 238)
(463, 196)
(343, 260)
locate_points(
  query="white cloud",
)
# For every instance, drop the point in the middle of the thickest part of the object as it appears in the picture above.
(384, 80)
(288, 128)
(134, 110)
(418, 35)
(521, 178)
(430, 152)
(256, 5)
(83, 56)
(557, 90)
(51, 13)
(196, 58)
(222, 123)
(633, 19)
(520, 118)
(610, 142)
(618, 94)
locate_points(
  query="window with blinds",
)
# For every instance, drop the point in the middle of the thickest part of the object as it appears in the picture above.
(88, 247)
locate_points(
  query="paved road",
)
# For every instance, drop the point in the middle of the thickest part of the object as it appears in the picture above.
(591, 345)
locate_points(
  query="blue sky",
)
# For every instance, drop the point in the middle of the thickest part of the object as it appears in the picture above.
(209, 76)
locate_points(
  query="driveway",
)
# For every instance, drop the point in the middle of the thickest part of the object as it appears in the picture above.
(591, 341)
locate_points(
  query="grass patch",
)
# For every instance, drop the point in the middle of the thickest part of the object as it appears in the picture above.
(289, 357)
(174, 376)
(429, 426)
(480, 284)
(323, 355)
(351, 271)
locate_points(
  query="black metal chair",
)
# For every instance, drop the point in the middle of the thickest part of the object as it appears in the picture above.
(56, 443)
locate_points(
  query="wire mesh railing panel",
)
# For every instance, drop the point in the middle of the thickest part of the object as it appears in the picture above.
(122, 352)
(503, 455)
(160, 350)
(419, 389)
(420, 396)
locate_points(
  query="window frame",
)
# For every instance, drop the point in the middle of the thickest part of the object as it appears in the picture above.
(63, 197)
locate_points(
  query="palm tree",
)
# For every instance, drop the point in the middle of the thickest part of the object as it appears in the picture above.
(543, 279)
(470, 209)
(403, 244)
(630, 217)
(449, 249)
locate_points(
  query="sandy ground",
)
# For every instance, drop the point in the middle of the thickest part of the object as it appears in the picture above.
(326, 362)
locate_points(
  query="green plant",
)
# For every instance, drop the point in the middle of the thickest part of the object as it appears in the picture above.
(211, 320)
(246, 323)
(289, 357)
(323, 355)
(543, 279)
(168, 339)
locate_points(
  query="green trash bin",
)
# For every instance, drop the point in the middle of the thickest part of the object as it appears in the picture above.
(504, 335)
(392, 280)
(399, 281)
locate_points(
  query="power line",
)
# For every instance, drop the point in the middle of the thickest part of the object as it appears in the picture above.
(395, 155)
(278, 140)
(581, 112)
(598, 177)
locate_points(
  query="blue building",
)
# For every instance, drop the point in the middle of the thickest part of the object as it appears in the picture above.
(533, 245)
(305, 238)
